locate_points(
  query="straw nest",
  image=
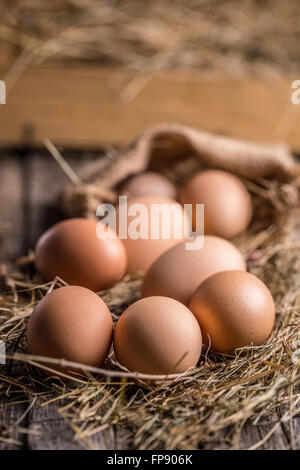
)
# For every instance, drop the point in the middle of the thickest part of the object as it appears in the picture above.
(207, 406)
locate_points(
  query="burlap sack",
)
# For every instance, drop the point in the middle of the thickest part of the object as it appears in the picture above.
(169, 141)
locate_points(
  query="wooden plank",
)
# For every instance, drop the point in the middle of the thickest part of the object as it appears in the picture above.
(49, 430)
(11, 205)
(267, 435)
(296, 431)
(45, 181)
(12, 435)
(78, 106)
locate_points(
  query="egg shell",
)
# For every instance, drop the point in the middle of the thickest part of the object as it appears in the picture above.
(157, 335)
(228, 206)
(72, 251)
(178, 271)
(235, 309)
(149, 183)
(71, 323)
(142, 252)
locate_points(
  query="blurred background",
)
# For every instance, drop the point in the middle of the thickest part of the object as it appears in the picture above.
(87, 72)
(230, 35)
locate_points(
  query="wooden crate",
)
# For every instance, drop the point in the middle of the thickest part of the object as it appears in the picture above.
(85, 107)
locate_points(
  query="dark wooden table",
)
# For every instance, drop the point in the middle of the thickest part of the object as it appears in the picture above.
(29, 184)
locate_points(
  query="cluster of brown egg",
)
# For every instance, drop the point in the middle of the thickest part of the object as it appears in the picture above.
(189, 297)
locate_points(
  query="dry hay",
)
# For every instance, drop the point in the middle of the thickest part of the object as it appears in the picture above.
(207, 406)
(150, 36)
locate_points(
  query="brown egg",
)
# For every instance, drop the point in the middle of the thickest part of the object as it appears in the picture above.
(71, 323)
(149, 184)
(234, 309)
(157, 335)
(72, 251)
(228, 207)
(141, 252)
(178, 272)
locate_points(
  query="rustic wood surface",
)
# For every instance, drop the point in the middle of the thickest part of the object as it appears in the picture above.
(80, 106)
(29, 184)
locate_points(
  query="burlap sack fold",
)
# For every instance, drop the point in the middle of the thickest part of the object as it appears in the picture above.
(246, 159)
